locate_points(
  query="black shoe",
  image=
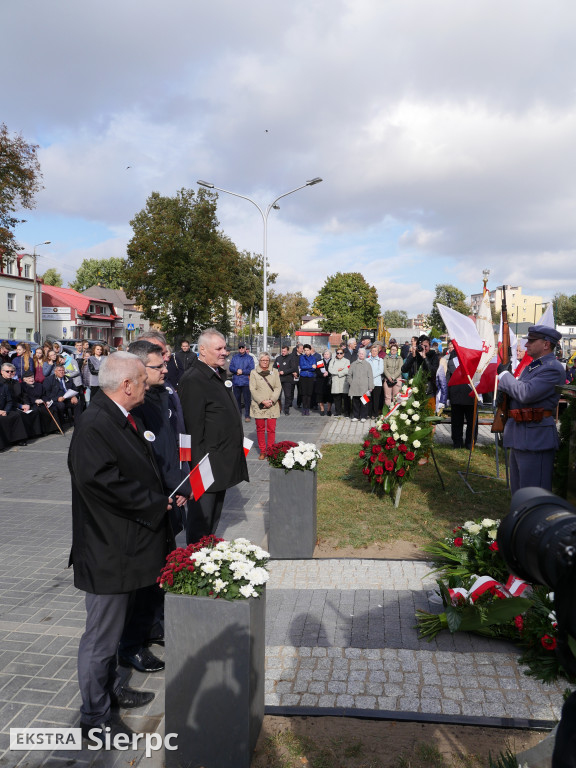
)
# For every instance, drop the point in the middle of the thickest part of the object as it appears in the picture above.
(286, 413)
(116, 727)
(142, 660)
(159, 640)
(129, 698)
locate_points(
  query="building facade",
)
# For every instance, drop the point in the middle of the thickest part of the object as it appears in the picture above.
(67, 314)
(521, 308)
(132, 322)
(18, 301)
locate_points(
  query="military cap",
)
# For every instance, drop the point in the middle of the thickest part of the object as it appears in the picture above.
(544, 332)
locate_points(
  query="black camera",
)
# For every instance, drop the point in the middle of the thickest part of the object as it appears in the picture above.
(537, 539)
(419, 347)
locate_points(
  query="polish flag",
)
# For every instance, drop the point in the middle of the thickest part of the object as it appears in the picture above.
(185, 448)
(201, 478)
(365, 398)
(320, 364)
(467, 343)
(486, 332)
(247, 445)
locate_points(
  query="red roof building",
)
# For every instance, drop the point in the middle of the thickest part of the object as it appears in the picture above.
(67, 314)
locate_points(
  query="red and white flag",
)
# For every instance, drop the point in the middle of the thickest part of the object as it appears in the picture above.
(247, 445)
(467, 343)
(320, 364)
(486, 332)
(365, 398)
(201, 478)
(185, 448)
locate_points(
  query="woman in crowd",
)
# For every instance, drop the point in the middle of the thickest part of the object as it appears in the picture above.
(392, 375)
(22, 361)
(338, 370)
(307, 378)
(50, 360)
(377, 365)
(57, 347)
(322, 385)
(94, 363)
(265, 389)
(39, 360)
(46, 347)
(361, 383)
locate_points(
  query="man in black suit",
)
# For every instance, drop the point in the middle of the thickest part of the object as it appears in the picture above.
(121, 532)
(214, 423)
(54, 390)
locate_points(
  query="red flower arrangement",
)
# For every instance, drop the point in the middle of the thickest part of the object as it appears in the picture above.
(277, 451)
(549, 643)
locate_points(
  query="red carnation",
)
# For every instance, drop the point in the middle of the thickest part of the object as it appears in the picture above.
(494, 546)
(402, 448)
(378, 470)
(382, 457)
(385, 427)
(366, 444)
(410, 456)
(458, 541)
(519, 622)
(379, 479)
(373, 459)
(376, 448)
(549, 643)
(362, 454)
(388, 465)
(366, 471)
(400, 472)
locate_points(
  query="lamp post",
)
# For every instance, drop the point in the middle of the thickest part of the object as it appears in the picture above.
(264, 215)
(36, 334)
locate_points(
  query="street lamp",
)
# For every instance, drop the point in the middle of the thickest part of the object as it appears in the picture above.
(36, 335)
(264, 215)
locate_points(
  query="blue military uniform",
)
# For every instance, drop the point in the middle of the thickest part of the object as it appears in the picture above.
(531, 430)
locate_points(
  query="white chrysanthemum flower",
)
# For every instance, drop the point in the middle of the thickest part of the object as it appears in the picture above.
(247, 590)
(488, 523)
(416, 443)
(415, 417)
(209, 568)
(312, 464)
(219, 585)
(240, 569)
(415, 389)
(258, 576)
(288, 462)
(404, 417)
(416, 403)
(395, 435)
(404, 437)
(410, 411)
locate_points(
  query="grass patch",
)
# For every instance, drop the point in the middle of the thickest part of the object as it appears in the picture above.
(350, 515)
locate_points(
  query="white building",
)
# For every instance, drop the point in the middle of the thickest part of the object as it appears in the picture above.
(17, 315)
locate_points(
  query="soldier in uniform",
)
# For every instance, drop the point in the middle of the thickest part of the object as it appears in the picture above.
(531, 430)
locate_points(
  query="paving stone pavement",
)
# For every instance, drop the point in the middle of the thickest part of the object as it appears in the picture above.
(340, 633)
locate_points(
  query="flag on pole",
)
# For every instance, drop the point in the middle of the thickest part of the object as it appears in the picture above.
(486, 332)
(548, 317)
(185, 442)
(247, 445)
(365, 398)
(467, 343)
(201, 478)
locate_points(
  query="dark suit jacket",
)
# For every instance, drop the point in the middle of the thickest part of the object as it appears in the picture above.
(52, 387)
(214, 422)
(120, 527)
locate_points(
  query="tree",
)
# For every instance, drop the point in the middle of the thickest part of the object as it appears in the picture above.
(19, 181)
(180, 267)
(109, 273)
(285, 312)
(347, 302)
(395, 318)
(451, 297)
(52, 277)
(564, 309)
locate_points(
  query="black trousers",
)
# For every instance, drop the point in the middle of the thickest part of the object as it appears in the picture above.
(565, 745)
(145, 619)
(306, 386)
(376, 402)
(359, 409)
(288, 391)
(338, 402)
(204, 515)
(459, 414)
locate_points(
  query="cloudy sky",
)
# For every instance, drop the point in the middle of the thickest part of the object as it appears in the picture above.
(444, 132)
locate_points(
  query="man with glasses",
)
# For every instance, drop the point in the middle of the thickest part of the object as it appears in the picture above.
(12, 429)
(146, 623)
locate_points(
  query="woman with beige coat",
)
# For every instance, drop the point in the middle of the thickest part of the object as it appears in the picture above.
(265, 389)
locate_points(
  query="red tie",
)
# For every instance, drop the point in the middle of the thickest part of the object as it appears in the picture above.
(132, 422)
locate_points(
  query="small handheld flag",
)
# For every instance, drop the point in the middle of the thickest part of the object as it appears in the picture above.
(185, 448)
(365, 398)
(320, 364)
(201, 478)
(247, 445)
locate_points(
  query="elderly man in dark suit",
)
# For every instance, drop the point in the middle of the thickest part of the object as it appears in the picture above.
(54, 390)
(121, 532)
(531, 430)
(214, 423)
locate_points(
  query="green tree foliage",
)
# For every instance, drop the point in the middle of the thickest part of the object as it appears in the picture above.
(180, 266)
(395, 318)
(564, 309)
(109, 273)
(19, 181)
(449, 296)
(52, 277)
(285, 312)
(347, 302)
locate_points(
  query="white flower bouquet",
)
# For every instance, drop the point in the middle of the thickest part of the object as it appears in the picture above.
(233, 570)
(302, 456)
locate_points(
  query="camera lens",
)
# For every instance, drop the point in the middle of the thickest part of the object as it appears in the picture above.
(538, 537)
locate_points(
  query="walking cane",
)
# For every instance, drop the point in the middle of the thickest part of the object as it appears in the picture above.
(54, 420)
